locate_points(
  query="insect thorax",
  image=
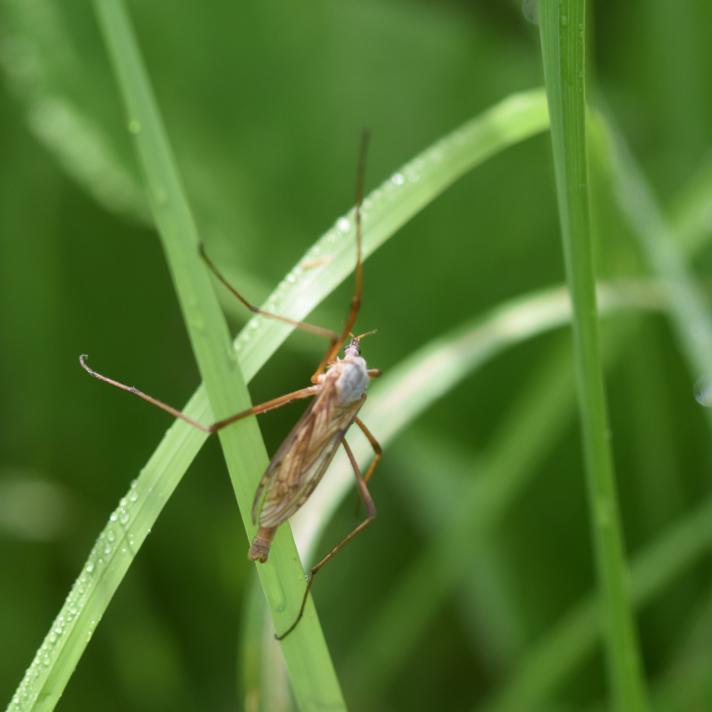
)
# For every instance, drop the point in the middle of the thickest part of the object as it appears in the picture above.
(351, 376)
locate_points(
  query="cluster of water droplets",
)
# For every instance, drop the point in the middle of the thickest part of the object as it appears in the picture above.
(114, 539)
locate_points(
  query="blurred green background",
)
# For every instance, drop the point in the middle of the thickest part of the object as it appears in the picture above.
(264, 103)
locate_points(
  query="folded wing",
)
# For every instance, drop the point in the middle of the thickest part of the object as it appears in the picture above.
(302, 459)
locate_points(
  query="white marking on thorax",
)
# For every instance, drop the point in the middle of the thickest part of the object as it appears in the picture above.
(351, 376)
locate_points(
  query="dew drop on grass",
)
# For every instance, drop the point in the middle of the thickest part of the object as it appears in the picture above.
(703, 391)
(530, 10)
(134, 126)
(343, 225)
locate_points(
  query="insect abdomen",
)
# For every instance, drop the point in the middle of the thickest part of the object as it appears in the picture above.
(259, 549)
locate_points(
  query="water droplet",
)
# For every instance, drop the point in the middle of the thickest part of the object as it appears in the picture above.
(343, 225)
(530, 10)
(412, 173)
(703, 391)
(398, 179)
(134, 126)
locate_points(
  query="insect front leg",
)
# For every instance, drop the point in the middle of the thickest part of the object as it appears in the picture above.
(213, 427)
(370, 516)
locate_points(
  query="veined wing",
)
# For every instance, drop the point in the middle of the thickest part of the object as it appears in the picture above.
(302, 459)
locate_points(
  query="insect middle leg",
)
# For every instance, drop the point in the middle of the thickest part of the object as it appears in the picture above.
(377, 450)
(213, 427)
(370, 516)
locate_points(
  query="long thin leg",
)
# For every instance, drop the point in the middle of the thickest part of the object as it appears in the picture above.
(370, 516)
(358, 290)
(318, 330)
(214, 427)
(377, 450)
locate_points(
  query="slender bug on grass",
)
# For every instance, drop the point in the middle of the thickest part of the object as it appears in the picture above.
(339, 388)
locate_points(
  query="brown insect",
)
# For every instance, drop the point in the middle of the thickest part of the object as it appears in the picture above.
(339, 388)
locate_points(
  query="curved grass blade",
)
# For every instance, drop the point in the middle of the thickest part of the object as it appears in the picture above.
(688, 306)
(386, 209)
(402, 395)
(406, 390)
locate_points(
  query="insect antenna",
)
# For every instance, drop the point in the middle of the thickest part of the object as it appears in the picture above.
(358, 272)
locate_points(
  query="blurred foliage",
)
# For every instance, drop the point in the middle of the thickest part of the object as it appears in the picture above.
(264, 104)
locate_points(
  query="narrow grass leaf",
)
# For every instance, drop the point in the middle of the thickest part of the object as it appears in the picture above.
(563, 41)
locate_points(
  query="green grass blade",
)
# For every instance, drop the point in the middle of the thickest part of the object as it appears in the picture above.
(549, 662)
(389, 207)
(563, 40)
(312, 674)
